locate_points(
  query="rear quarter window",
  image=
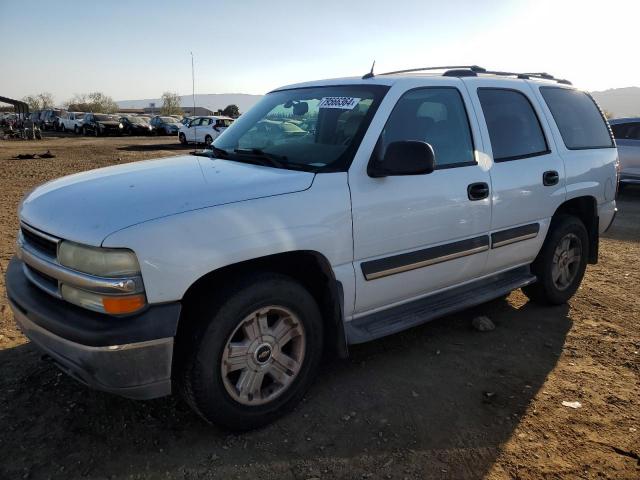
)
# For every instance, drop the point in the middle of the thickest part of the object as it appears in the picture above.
(578, 118)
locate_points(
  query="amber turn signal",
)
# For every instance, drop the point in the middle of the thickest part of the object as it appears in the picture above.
(125, 304)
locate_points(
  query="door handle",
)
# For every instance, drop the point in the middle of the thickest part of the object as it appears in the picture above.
(550, 178)
(478, 191)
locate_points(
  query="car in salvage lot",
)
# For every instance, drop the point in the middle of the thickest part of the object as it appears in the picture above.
(133, 125)
(99, 124)
(71, 121)
(627, 134)
(203, 129)
(165, 125)
(397, 199)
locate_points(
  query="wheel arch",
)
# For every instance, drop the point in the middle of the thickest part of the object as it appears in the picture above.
(586, 209)
(310, 268)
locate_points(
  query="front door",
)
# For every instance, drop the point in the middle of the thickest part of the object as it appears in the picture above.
(415, 235)
(190, 131)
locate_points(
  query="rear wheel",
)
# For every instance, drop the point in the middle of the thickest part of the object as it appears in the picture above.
(255, 352)
(561, 263)
(62, 129)
(76, 130)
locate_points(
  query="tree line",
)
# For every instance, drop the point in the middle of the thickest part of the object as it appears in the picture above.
(99, 102)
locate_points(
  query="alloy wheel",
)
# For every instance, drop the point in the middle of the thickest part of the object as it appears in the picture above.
(263, 355)
(566, 261)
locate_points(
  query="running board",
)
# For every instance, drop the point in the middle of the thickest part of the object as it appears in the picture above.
(420, 311)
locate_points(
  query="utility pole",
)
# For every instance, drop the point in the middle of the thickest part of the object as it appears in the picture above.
(193, 95)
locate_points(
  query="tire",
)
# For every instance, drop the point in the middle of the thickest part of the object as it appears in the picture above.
(182, 138)
(208, 140)
(213, 391)
(62, 129)
(84, 131)
(96, 131)
(76, 130)
(560, 271)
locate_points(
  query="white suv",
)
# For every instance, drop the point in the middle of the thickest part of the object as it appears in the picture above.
(71, 121)
(333, 212)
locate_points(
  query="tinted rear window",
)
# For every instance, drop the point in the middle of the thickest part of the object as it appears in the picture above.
(578, 118)
(514, 128)
(626, 131)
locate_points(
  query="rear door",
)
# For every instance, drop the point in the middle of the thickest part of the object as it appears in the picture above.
(203, 130)
(527, 174)
(414, 235)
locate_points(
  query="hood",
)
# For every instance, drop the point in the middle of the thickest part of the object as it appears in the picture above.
(109, 123)
(87, 207)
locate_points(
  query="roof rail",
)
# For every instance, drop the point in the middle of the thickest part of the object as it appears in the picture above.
(473, 71)
(473, 68)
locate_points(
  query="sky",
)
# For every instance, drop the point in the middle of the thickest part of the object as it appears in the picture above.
(137, 49)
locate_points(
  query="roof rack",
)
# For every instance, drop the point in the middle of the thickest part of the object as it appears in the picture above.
(473, 71)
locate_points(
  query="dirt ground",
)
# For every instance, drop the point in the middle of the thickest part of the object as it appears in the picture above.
(439, 401)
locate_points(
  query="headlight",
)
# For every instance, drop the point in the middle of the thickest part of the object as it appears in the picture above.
(102, 262)
(106, 263)
(120, 125)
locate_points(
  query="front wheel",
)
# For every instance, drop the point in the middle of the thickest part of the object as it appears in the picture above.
(561, 263)
(182, 138)
(208, 140)
(255, 352)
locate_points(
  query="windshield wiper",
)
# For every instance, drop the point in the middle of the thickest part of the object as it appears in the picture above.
(269, 159)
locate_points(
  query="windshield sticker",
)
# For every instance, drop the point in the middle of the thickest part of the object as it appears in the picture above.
(343, 103)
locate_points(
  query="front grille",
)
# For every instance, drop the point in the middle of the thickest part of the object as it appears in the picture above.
(39, 243)
(42, 280)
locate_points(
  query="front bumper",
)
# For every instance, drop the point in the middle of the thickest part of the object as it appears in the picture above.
(130, 356)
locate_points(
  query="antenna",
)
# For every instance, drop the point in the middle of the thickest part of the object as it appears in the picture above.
(370, 74)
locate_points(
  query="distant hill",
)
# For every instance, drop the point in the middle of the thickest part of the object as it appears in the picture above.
(212, 101)
(621, 102)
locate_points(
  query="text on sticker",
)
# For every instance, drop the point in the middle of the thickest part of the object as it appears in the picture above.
(343, 103)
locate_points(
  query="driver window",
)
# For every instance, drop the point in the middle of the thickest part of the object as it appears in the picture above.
(437, 116)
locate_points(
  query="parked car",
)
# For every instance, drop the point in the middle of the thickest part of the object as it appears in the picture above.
(136, 126)
(71, 121)
(409, 197)
(203, 129)
(49, 119)
(99, 124)
(627, 134)
(165, 125)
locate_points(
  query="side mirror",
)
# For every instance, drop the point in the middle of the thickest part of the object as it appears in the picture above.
(408, 157)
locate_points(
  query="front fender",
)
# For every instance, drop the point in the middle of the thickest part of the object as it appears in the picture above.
(176, 251)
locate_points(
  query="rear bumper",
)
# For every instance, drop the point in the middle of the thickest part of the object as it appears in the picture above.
(112, 354)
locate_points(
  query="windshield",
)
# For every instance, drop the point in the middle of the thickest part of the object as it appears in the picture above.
(104, 118)
(136, 120)
(168, 120)
(314, 129)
